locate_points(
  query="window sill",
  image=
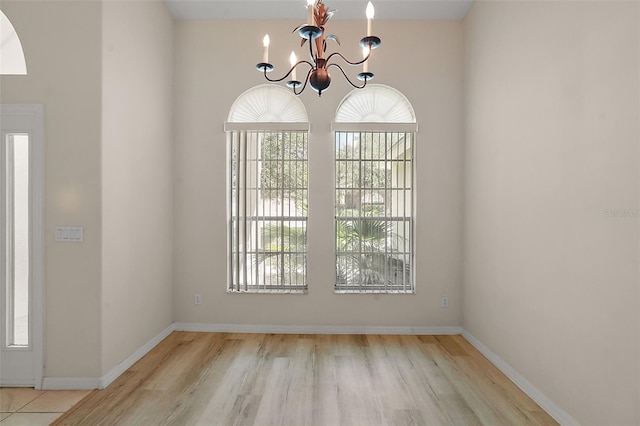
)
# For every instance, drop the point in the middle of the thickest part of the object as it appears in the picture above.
(374, 291)
(267, 291)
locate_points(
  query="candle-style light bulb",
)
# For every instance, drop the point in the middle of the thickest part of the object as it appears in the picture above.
(365, 53)
(310, 7)
(293, 60)
(370, 13)
(265, 43)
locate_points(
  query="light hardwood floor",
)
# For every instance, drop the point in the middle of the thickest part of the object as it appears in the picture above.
(265, 379)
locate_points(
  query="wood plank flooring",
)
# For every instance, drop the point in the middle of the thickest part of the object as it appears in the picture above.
(274, 379)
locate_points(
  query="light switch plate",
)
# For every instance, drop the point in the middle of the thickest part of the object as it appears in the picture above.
(69, 234)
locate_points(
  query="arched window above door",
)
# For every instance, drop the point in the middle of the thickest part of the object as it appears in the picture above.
(12, 60)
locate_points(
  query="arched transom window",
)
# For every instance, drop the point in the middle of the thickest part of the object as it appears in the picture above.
(377, 103)
(268, 103)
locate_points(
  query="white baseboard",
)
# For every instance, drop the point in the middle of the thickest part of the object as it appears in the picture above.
(70, 383)
(86, 383)
(534, 393)
(17, 383)
(313, 329)
(116, 371)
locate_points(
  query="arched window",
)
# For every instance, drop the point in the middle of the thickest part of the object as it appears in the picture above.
(376, 104)
(11, 55)
(375, 132)
(267, 136)
(268, 103)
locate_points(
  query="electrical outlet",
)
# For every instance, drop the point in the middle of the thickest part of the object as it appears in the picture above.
(197, 299)
(444, 302)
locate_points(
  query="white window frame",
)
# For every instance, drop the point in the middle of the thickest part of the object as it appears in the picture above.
(387, 277)
(245, 274)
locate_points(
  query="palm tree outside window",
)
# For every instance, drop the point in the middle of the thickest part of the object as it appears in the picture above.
(267, 140)
(374, 190)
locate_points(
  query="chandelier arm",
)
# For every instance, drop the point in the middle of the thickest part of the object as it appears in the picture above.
(276, 80)
(347, 78)
(306, 80)
(311, 55)
(348, 61)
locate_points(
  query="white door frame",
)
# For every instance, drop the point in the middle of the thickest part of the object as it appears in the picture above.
(29, 118)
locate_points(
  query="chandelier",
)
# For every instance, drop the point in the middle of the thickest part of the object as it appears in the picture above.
(313, 31)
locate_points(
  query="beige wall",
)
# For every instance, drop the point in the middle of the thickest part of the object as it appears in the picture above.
(215, 63)
(137, 190)
(104, 74)
(62, 45)
(549, 115)
(550, 273)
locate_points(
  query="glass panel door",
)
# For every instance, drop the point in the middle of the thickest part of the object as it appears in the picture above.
(21, 244)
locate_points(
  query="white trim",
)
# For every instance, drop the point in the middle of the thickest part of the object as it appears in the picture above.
(534, 393)
(84, 383)
(303, 126)
(70, 383)
(31, 117)
(314, 329)
(338, 126)
(116, 371)
(10, 383)
(37, 238)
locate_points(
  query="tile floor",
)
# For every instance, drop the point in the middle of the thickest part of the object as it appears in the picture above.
(25, 406)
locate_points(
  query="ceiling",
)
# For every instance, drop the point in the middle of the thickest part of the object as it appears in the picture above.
(295, 9)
